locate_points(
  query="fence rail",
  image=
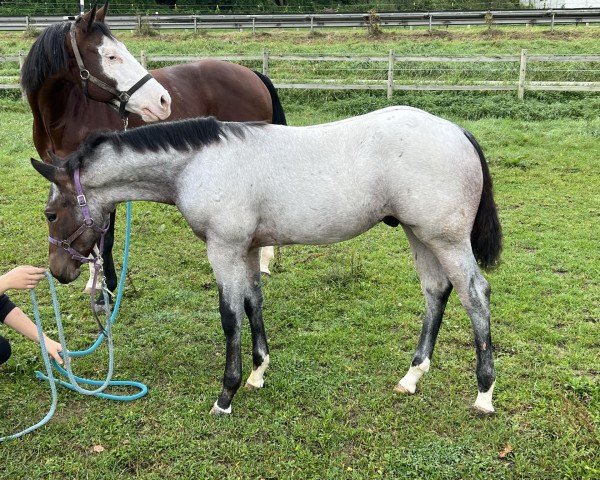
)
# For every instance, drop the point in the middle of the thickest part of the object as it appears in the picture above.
(390, 65)
(549, 17)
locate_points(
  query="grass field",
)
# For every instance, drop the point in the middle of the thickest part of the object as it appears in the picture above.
(343, 322)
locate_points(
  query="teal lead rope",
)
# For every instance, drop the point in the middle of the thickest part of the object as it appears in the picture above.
(74, 380)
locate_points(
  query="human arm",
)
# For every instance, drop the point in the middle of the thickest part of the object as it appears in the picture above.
(21, 278)
(21, 323)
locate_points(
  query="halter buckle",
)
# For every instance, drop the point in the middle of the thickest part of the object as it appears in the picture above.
(64, 244)
(124, 97)
(84, 74)
(88, 222)
(81, 200)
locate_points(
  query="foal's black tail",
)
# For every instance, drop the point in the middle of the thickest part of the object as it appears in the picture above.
(486, 236)
(278, 113)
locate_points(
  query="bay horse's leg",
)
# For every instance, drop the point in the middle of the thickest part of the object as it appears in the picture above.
(89, 286)
(109, 265)
(474, 292)
(436, 289)
(266, 255)
(230, 272)
(253, 305)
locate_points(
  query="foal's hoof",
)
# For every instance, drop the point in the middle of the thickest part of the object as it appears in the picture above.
(216, 410)
(405, 389)
(251, 387)
(402, 390)
(482, 411)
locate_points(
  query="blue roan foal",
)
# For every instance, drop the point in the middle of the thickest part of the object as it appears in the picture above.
(244, 186)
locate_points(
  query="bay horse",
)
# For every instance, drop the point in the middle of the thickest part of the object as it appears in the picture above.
(66, 108)
(325, 184)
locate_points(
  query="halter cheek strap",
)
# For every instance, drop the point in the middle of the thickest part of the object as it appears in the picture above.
(122, 96)
(88, 222)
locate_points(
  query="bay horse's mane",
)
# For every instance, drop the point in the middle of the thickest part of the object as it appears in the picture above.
(48, 55)
(183, 136)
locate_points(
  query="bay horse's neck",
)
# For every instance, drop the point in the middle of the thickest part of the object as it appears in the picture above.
(119, 176)
(63, 117)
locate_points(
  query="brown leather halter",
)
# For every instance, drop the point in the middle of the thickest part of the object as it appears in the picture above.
(120, 95)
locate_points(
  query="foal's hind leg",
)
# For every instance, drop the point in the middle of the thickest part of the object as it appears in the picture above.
(474, 292)
(436, 289)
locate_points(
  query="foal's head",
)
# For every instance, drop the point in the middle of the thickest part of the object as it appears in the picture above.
(54, 56)
(75, 231)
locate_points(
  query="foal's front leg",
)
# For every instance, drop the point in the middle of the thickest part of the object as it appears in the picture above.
(230, 272)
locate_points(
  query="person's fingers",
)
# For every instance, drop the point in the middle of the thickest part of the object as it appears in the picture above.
(57, 357)
(30, 269)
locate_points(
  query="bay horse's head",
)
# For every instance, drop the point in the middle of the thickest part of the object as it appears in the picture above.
(76, 223)
(85, 52)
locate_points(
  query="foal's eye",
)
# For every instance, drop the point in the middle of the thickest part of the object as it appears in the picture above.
(112, 57)
(50, 216)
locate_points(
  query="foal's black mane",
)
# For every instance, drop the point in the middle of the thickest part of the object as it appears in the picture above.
(183, 136)
(49, 56)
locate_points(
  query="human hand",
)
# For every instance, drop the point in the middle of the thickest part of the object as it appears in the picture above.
(24, 277)
(53, 348)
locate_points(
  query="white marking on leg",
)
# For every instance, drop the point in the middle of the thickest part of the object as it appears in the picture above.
(216, 410)
(256, 378)
(408, 383)
(266, 255)
(89, 286)
(483, 403)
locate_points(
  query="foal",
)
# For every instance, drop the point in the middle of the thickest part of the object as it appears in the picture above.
(243, 186)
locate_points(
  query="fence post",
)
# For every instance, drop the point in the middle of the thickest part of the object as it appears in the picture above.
(253, 25)
(312, 23)
(195, 24)
(522, 73)
(27, 22)
(265, 62)
(21, 62)
(430, 22)
(144, 59)
(390, 79)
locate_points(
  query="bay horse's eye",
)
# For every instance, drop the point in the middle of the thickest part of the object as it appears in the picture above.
(112, 57)
(50, 216)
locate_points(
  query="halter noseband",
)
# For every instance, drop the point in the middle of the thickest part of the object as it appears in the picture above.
(85, 75)
(88, 222)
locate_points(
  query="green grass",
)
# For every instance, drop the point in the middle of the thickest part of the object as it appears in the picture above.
(343, 321)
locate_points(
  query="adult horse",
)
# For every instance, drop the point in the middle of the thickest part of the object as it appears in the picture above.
(326, 184)
(75, 71)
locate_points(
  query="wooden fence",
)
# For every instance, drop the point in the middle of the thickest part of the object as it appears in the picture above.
(520, 84)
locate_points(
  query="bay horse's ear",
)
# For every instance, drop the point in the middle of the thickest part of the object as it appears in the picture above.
(88, 19)
(56, 175)
(101, 13)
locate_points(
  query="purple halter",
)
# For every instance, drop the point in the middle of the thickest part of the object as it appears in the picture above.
(88, 222)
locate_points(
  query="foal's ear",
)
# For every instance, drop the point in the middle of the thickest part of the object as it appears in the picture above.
(55, 159)
(101, 13)
(57, 175)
